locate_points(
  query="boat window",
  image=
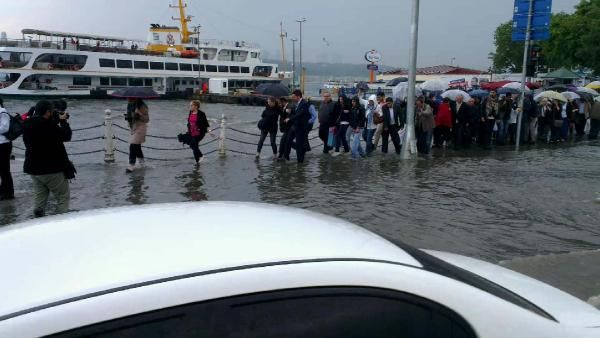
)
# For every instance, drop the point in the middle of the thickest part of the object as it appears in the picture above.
(185, 67)
(118, 81)
(38, 82)
(223, 69)
(246, 70)
(13, 60)
(82, 81)
(8, 79)
(211, 68)
(140, 64)
(254, 55)
(51, 61)
(234, 69)
(107, 63)
(105, 81)
(157, 65)
(240, 56)
(201, 67)
(136, 82)
(264, 71)
(147, 82)
(124, 64)
(171, 66)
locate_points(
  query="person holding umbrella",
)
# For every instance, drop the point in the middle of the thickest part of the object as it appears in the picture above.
(139, 130)
(268, 125)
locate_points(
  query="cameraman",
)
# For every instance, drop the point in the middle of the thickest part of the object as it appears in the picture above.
(46, 157)
(6, 182)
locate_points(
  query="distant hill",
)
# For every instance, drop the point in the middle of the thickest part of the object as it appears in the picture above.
(333, 69)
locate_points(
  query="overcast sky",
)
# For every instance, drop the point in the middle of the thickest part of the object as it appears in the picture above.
(461, 29)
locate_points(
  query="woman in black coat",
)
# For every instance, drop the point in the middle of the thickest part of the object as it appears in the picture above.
(198, 127)
(268, 125)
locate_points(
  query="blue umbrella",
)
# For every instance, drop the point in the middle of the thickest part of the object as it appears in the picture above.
(506, 91)
(479, 93)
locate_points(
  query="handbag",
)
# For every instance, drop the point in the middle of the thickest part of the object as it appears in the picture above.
(70, 171)
(377, 118)
(262, 124)
(558, 123)
(185, 138)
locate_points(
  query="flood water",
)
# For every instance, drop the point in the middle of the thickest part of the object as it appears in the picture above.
(493, 205)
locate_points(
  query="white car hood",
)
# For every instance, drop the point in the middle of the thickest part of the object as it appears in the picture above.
(565, 308)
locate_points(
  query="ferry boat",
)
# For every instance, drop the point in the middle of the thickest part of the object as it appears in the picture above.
(174, 61)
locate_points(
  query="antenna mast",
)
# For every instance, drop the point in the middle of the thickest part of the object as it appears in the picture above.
(183, 19)
(283, 37)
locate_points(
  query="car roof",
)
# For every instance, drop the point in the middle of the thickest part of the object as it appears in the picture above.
(69, 256)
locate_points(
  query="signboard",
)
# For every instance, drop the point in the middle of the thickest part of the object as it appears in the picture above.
(373, 56)
(540, 21)
(458, 83)
(373, 67)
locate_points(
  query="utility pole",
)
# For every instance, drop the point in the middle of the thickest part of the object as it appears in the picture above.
(409, 144)
(197, 29)
(294, 63)
(524, 75)
(300, 22)
(283, 35)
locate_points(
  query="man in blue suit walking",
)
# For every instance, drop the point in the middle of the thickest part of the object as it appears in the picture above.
(300, 127)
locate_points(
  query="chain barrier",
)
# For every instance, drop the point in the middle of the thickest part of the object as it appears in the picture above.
(87, 152)
(242, 142)
(87, 139)
(88, 128)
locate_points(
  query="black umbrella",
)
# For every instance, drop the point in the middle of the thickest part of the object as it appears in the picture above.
(507, 91)
(362, 86)
(558, 88)
(272, 89)
(136, 93)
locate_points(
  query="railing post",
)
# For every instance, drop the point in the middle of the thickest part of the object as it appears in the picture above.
(109, 148)
(222, 147)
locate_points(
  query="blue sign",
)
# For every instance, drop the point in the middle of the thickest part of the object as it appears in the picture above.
(540, 21)
(373, 67)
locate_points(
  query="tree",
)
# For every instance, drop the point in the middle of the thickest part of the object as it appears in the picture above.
(509, 54)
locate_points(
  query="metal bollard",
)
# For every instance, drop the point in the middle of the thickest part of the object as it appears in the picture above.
(222, 148)
(109, 148)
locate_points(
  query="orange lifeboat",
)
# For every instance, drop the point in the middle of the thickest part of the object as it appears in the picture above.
(189, 54)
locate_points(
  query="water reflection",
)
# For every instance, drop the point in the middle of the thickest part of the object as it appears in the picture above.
(137, 192)
(193, 184)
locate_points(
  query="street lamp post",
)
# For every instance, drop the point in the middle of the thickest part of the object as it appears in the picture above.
(300, 22)
(294, 63)
(409, 144)
(197, 28)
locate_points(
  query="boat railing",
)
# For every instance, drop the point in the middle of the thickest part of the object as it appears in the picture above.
(226, 43)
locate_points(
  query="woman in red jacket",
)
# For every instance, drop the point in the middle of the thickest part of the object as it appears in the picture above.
(443, 124)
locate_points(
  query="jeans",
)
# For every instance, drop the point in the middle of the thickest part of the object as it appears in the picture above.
(357, 149)
(502, 132)
(195, 145)
(263, 137)
(341, 138)
(56, 184)
(393, 132)
(424, 141)
(368, 135)
(135, 152)
(564, 131)
(594, 129)
(6, 181)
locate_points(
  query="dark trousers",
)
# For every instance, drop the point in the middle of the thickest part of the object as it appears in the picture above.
(6, 181)
(393, 132)
(341, 139)
(580, 122)
(297, 140)
(462, 136)
(324, 136)
(263, 136)
(135, 152)
(195, 146)
(594, 129)
(487, 132)
(283, 145)
(440, 135)
(307, 146)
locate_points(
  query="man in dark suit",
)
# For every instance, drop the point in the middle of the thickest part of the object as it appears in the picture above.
(300, 128)
(461, 115)
(391, 125)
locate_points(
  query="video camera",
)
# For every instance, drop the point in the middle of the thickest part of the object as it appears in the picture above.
(59, 107)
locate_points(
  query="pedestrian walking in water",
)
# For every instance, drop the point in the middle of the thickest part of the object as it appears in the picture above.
(326, 115)
(378, 119)
(268, 125)
(391, 126)
(594, 121)
(299, 120)
(46, 158)
(6, 182)
(198, 127)
(284, 127)
(357, 123)
(425, 125)
(139, 130)
(370, 126)
(443, 124)
(343, 123)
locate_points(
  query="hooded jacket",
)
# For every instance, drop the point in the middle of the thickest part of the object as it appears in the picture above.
(45, 151)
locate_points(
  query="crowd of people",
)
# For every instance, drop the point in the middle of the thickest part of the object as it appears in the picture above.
(346, 124)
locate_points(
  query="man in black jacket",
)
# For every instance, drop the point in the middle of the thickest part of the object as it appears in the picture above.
(391, 126)
(461, 114)
(326, 114)
(46, 157)
(299, 121)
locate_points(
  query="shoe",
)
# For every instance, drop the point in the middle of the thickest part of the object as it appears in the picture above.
(141, 162)
(257, 156)
(274, 157)
(130, 169)
(201, 160)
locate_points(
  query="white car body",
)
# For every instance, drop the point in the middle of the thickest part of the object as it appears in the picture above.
(72, 271)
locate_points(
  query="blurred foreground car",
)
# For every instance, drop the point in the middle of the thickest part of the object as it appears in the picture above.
(250, 270)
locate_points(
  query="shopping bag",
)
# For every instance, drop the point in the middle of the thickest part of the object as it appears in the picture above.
(402, 134)
(331, 137)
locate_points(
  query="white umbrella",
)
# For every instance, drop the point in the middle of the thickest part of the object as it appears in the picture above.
(452, 94)
(400, 92)
(571, 96)
(552, 95)
(587, 90)
(517, 86)
(434, 85)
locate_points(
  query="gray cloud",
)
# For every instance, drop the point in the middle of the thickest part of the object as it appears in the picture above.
(460, 29)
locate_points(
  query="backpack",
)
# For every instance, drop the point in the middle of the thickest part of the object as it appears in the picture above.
(313, 114)
(15, 128)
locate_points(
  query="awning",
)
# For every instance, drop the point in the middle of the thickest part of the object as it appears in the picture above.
(76, 35)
